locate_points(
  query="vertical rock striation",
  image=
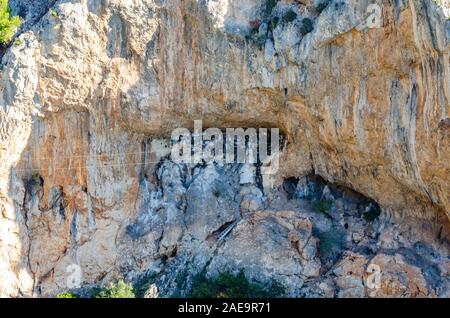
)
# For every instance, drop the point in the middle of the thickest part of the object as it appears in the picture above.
(91, 92)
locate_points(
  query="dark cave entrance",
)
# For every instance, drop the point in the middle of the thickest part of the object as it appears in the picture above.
(311, 187)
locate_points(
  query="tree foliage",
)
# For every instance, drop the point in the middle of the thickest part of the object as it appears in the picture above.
(228, 285)
(66, 295)
(119, 290)
(8, 24)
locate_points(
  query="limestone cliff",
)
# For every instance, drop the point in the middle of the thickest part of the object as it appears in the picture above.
(91, 90)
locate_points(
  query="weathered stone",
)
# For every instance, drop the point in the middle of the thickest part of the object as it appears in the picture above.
(398, 278)
(271, 244)
(92, 90)
(350, 273)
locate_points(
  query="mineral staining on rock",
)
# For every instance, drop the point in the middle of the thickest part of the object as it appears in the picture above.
(91, 92)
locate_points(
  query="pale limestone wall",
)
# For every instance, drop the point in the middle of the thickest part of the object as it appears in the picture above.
(82, 91)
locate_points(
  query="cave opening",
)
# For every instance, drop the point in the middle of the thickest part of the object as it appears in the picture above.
(314, 187)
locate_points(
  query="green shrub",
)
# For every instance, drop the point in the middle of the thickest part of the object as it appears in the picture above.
(181, 277)
(8, 24)
(18, 41)
(270, 5)
(273, 23)
(66, 295)
(307, 26)
(321, 6)
(289, 16)
(54, 13)
(323, 206)
(141, 286)
(228, 285)
(119, 290)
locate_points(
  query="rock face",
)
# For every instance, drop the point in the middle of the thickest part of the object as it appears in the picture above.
(271, 242)
(92, 90)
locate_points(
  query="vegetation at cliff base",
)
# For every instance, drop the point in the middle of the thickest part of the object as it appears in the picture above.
(142, 285)
(118, 290)
(331, 244)
(8, 24)
(323, 206)
(66, 295)
(113, 290)
(228, 285)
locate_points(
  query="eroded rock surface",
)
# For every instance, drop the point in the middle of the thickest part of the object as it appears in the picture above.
(93, 89)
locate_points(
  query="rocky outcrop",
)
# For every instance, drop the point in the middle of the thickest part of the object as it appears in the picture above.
(92, 90)
(271, 245)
